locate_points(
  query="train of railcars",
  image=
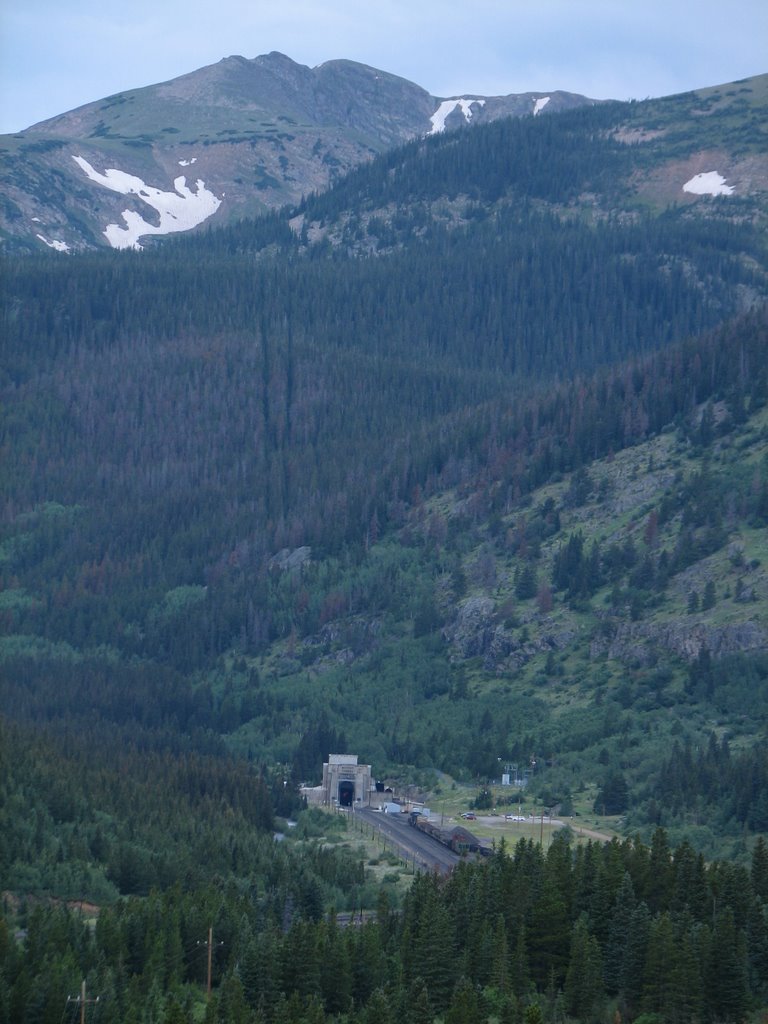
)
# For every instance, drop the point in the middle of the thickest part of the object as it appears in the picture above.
(456, 838)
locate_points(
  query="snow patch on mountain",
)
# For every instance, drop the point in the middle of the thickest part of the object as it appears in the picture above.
(539, 104)
(58, 246)
(709, 183)
(179, 210)
(447, 107)
(188, 163)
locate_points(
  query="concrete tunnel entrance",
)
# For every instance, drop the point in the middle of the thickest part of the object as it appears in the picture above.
(345, 782)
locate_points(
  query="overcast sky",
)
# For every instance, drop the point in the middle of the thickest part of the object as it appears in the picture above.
(58, 54)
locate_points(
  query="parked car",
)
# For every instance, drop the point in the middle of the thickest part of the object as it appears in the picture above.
(515, 817)
(469, 816)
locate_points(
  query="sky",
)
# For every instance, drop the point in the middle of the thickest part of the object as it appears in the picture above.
(56, 55)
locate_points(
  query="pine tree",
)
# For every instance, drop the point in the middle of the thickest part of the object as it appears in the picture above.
(248, 971)
(260, 972)
(726, 971)
(584, 978)
(175, 1013)
(757, 947)
(301, 960)
(613, 797)
(434, 953)
(759, 869)
(336, 974)
(689, 885)
(660, 964)
(687, 983)
(231, 1002)
(519, 971)
(500, 979)
(525, 582)
(548, 936)
(533, 1014)
(635, 952)
(378, 1009)
(464, 1008)
(659, 882)
(418, 1008)
(616, 943)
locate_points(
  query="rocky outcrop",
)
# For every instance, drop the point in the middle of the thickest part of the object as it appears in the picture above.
(287, 560)
(639, 642)
(473, 630)
(475, 633)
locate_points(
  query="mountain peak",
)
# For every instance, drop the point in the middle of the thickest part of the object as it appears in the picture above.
(261, 132)
(278, 57)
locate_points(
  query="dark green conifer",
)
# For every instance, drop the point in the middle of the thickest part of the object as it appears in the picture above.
(759, 869)
(465, 1006)
(584, 978)
(726, 970)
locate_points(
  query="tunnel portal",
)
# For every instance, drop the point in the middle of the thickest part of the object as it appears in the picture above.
(346, 794)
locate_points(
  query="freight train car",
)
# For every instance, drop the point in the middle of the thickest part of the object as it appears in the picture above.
(456, 838)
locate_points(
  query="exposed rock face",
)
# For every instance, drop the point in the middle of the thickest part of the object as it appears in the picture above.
(473, 630)
(474, 633)
(259, 134)
(291, 561)
(635, 642)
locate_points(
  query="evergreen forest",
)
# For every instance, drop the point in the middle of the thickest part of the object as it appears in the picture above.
(462, 462)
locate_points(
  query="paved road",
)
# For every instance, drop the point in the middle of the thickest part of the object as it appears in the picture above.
(410, 843)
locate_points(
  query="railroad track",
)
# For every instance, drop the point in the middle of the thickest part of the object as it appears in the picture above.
(413, 846)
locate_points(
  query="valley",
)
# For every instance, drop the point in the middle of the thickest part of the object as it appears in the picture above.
(450, 450)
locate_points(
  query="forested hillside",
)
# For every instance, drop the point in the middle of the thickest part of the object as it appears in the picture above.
(613, 161)
(464, 462)
(177, 418)
(568, 935)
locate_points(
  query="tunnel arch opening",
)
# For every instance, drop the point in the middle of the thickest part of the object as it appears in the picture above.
(346, 794)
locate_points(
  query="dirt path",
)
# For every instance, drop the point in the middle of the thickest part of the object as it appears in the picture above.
(589, 833)
(551, 824)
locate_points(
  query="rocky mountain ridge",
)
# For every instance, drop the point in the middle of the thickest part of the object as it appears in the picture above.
(234, 139)
(696, 155)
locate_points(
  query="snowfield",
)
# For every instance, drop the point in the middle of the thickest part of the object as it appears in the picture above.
(539, 104)
(179, 210)
(447, 107)
(709, 183)
(58, 246)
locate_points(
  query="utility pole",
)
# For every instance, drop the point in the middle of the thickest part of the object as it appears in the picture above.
(210, 959)
(209, 945)
(82, 1001)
